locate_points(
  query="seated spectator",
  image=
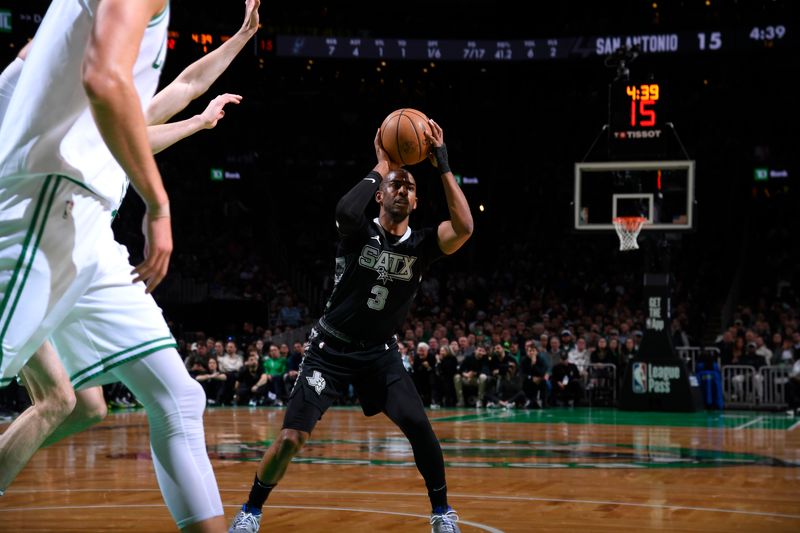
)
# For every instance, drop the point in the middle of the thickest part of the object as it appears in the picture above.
(251, 382)
(499, 365)
(423, 376)
(579, 356)
(473, 372)
(213, 382)
(566, 381)
(509, 392)
(275, 366)
(230, 363)
(535, 377)
(293, 366)
(446, 370)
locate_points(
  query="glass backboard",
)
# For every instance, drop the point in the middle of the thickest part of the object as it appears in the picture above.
(660, 191)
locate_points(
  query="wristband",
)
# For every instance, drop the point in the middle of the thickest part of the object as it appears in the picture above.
(159, 211)
(440, 153)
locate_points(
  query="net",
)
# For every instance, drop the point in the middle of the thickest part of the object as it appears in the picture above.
(628, 229)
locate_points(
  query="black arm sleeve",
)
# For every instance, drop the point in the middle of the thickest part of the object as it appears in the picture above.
(351, 207)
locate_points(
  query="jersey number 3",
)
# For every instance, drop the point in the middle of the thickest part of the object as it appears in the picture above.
(379, 301)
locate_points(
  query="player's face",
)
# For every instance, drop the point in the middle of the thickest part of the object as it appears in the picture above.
(398, 194)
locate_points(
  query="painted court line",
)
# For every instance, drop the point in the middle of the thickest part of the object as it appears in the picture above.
(794, 426)
(756, 420)
(478, 525)
(388, 493)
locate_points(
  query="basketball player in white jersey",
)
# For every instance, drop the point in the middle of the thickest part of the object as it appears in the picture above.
(68, 275)
(90, 406)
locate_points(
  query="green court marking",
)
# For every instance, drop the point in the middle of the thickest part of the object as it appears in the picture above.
(745, 420)
(487, 453)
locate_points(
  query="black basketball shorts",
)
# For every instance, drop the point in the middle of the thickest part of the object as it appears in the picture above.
(325, 374)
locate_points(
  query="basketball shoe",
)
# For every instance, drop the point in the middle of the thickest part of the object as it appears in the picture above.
(445, 522)
(248, 521)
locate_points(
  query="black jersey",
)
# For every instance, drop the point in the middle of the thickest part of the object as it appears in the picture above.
(377, 277)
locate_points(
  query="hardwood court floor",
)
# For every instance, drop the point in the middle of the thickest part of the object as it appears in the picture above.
(555, 470)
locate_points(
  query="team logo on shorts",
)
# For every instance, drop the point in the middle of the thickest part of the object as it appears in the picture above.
(317, 381)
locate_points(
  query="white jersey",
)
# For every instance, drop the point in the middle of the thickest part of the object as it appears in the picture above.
(53, 132)
(8, 80)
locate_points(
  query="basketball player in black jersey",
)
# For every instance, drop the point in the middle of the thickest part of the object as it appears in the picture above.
(379, 267)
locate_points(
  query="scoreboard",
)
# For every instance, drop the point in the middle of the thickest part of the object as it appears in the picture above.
(709, 41)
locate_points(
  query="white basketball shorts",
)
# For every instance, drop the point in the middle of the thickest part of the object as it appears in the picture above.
(63, 277)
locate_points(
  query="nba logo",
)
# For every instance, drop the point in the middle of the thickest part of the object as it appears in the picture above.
(639, 378)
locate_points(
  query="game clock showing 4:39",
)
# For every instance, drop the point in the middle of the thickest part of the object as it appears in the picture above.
(637, 110)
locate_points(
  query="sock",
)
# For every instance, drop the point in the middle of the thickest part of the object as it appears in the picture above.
(258, 494)
(438, 499)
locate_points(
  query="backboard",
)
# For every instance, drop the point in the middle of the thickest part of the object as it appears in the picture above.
(660, 191)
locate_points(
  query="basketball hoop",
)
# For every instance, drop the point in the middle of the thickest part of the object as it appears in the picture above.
(628, 229)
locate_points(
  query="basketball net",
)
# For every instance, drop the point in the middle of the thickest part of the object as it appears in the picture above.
(628, 229)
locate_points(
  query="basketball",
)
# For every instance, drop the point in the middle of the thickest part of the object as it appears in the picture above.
(403, 136)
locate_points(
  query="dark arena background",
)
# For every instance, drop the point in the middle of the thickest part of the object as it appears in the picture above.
(524, 91)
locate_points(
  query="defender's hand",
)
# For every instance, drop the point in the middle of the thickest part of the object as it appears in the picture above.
(250, 23)
(157, 251)
(215, 109)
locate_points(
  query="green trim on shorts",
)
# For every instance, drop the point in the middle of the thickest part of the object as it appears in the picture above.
(39, 219)
(78, 183)
(100, 367)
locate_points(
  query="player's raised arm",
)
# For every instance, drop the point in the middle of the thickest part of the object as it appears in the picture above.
(162, 136)
(351, 207)
(453, 233)
(198, 77)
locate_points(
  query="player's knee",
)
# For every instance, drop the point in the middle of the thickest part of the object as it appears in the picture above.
(191, 398)
(92, 412)
(290, 441)
(59, 402)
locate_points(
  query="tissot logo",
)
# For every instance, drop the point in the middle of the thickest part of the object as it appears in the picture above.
(637, 134)
(396, 266)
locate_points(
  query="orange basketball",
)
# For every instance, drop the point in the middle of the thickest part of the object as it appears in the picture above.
(403, 136)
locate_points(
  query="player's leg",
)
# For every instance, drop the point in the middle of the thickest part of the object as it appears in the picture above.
(53, 400)
(174, 403)
(90, 409)
(314, 391)
(116, 332)
(404, 408)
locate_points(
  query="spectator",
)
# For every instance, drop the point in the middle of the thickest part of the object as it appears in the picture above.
(579, 356)
(509, 391)
(251, 382)
(213, 382)
(566, 381)
(424, 365)
(275, 366)
(474, 372)
(293, 366)
(446, 370)
(535, 377)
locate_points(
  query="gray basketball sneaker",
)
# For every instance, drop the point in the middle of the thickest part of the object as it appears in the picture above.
(246, 521)
(445, 522)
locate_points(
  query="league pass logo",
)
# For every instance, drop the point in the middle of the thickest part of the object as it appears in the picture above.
(639, 378)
